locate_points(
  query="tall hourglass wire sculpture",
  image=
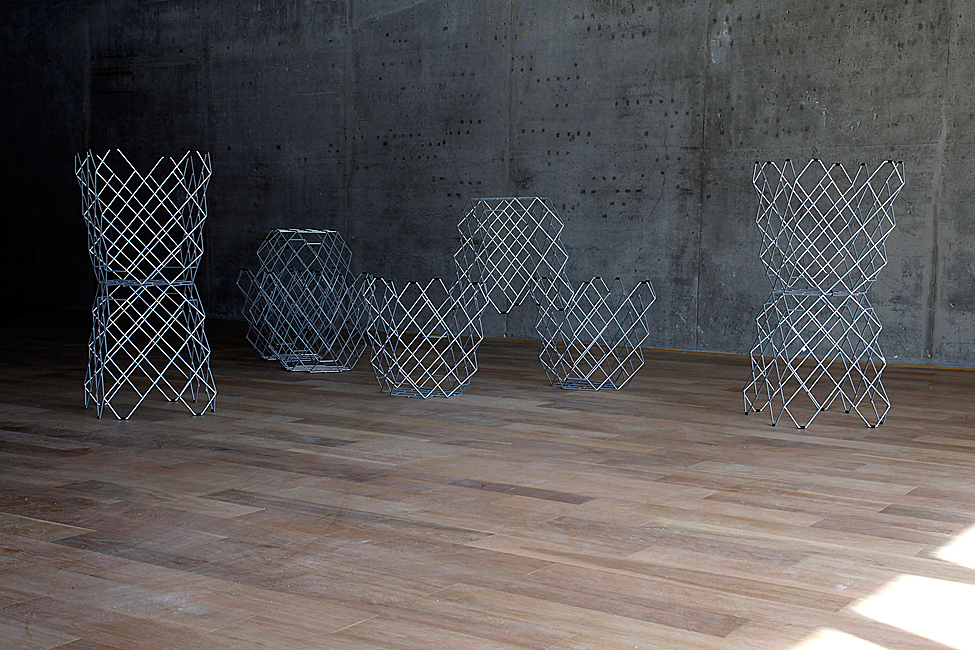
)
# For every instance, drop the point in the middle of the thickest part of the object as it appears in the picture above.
(145, 241)
(823, 246)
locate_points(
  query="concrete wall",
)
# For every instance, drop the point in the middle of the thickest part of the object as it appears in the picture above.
(379, 118)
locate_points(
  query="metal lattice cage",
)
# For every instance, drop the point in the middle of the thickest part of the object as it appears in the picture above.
(424, 336)
(144, 227)
(509, 243)
(145, 240)
(823, 245)
(303, 308)
(592, 334)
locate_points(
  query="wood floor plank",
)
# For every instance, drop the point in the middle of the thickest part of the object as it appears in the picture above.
(34, 637)
(406, 635)
(565, 616)
(314, 511)
(718, 582)
(37, 528)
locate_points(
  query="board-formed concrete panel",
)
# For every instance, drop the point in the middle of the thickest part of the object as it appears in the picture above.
(607, 103)
(430, 102)
(640, 120)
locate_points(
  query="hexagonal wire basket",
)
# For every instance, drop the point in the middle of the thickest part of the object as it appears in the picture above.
(823, 245)
(508, 243)
(424, 336)
(304, 309)
(592, 335)
(513, 244)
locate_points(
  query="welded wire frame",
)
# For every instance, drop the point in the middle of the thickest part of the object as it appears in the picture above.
(814, 349)
(144, 227)
(823, 245)
(305, 320)
(822, 228)
(145, 241)
(424, 337)
(148, 337)
(303, 309)
(592, 336)
(509, 243)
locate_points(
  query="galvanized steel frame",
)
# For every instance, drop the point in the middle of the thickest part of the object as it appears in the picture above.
(509, 243)
(424, 336)
(592, 335)
(145, 241)
(303, 308)
(824, 238)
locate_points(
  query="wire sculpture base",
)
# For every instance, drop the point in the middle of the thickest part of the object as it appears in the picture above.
(145, 338)
(818, 348)
(592, 336)
(145, 241)
(302, 308)
(509, 243)
(424, 337)
(824, 235)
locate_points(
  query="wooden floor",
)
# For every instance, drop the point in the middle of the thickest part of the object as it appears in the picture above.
(312, 511)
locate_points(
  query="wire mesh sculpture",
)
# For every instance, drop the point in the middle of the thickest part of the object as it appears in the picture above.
(823, 234)
(145, 241)
(257, 288)
(303, 308)
(508, 244)
(424, 336)
(592, 335)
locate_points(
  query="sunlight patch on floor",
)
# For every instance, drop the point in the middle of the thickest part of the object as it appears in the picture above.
(942, 611)
(939, 610)
(836, 640)
(960, 550)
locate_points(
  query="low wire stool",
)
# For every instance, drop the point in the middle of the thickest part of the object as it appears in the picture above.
(304, 309)
(424, 337)
(592, 335)
(145, 241)
(823, 246)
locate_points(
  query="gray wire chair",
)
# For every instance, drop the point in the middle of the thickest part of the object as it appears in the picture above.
(303, 308)
(823, 246)
(145, 241)
(592, 336)
(424, 337)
